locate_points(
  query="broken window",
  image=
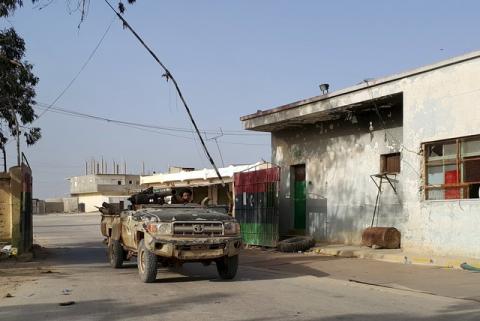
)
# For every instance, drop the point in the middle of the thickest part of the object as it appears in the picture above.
(452, 169)
(119, 182)
(390, 163)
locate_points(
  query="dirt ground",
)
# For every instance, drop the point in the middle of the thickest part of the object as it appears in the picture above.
(26, 268)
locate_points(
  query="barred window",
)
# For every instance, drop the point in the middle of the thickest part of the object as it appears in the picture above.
(452, 168)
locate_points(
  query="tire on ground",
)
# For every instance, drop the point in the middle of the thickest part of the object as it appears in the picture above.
(147, 264)
(115, 253)
(296, 244)
(227, 267)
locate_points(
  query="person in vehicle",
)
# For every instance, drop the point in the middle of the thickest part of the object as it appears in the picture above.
(186, 197)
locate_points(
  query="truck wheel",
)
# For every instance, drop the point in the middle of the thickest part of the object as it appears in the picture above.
(227, 267)
(147, 264)
(115, 253)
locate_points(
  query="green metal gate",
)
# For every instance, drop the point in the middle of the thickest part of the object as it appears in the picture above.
(256, 209)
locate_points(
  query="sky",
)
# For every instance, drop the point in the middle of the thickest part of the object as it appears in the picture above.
(231, 58)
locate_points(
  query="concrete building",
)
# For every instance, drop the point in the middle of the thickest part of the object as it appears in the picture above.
(94, 189)
(415, 134)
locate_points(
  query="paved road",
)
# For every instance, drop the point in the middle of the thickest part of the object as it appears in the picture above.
(263, 290)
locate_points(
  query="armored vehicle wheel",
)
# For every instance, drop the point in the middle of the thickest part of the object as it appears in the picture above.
(227, 267)
(115, 253)
(147, 264)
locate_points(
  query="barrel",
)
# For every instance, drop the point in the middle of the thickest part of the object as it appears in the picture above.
(382, 237)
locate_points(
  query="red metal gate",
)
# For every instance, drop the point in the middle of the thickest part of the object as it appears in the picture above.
(256, 205)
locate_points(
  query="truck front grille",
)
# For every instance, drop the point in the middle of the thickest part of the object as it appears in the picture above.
(198, 229)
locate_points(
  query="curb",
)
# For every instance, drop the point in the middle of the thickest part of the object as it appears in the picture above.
(403, 258)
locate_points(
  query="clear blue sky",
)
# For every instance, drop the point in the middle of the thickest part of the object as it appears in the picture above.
(231, 58)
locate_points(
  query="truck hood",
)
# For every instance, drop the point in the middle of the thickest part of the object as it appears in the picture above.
(179, 214)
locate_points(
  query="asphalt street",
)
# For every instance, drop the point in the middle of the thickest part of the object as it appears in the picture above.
(76, 283)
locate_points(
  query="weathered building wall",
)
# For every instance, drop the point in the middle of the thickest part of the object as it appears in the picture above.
(54, 206)
(70, 204)
(438, 104)
(112, 183)
(5, 208)
(92, 200)
(340, 193)
(38, 206)
(16, 225)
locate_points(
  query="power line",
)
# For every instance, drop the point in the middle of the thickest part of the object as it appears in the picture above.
(138, 126)
(166, 128)
(80, 71)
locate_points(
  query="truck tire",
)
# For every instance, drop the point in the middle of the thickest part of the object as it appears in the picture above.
(227, 267)
(147, 264)
(296, 244)
(115, 253)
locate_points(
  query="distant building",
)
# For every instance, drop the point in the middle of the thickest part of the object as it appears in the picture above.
(202, 182)
(94, 189)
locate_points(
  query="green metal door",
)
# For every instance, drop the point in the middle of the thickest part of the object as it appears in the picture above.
(300, 198)
(300, 206)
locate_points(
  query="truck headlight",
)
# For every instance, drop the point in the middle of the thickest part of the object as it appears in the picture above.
(160, 228)
(231, 228)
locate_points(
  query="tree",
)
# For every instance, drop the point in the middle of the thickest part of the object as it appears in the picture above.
(17, 81)
(17, 85)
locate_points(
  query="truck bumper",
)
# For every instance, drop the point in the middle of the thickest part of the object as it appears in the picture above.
(194, 249)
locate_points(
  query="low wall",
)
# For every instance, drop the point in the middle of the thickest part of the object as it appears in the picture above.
(16, 226)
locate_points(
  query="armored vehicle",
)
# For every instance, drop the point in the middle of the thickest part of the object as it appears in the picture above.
(172, 235)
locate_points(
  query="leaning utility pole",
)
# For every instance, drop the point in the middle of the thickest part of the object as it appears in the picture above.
(168, 76)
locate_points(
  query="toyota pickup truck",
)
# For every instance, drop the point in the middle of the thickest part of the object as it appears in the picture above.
(172, 235)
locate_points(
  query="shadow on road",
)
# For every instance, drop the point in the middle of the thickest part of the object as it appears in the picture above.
(107, 310)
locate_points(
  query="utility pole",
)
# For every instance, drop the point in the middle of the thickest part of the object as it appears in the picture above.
(169, 77)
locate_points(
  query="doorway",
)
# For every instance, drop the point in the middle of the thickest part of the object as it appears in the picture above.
(299, 198)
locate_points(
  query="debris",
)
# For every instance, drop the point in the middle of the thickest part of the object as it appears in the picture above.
(469, 267)
(382, 237)
(9, 250)
(8, 295)
(64, 304)
(66, 291)
(296, 244)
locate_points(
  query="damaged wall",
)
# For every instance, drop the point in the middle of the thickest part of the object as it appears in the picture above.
(339, 158)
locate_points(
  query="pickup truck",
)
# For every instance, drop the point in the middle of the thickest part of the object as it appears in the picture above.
(172, 235)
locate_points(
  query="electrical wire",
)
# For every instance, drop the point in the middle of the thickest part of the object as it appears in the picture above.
(138, 126)
(166, 128)
(79, 72)
(384, 124)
